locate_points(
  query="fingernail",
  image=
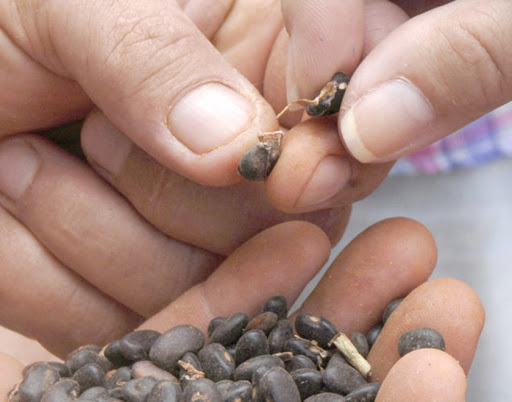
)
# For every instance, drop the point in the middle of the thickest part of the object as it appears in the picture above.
(329, 178)
(387, 122)
(210, 116)
(19, 163)
(105, 144)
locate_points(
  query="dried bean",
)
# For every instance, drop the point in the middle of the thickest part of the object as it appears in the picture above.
(119, 377)
(138, 390)
(90, 375)
(217, 362)
(365, 393)
(136, 345)
(92, 393)
(373, 334)
(202, 390)
(113, 353)
(85, 355)
(309, 381)
(60, 368)
(190, 369)
(223, 386)
(63, 390)
(325, 397)
(165, 391)
(278, 385)
(228, 332)
(299, 362)
(340, 377)
(146, 368)
(240, 391)
(214, 323)
(259, 161)
(301, 346)
(245, 370)
(278, 305)
(360, 342)
(328, 101)
(420, 338)
(390, 308)
(279, 335)
(316, 328)
(265, 322)
(252, 343)
(36, 381)
(173, 344)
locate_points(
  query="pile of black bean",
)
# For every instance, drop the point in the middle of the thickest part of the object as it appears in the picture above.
(258, 359)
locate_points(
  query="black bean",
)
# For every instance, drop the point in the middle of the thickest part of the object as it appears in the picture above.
(328, 101)
(340, 377)
(136, 345)
(240, 391)
(258, 162)
(278, 385)
(365, 393)
(138, 390)
(245, 370)
(217, 362)
(113, 353)
(146, 368)
(173, 344)
(190, 368)
(316, 328)
(214, 323)
(92, 393)
(309, 381)
(202, 390)
(278, 305)
(265, 322)
(85, 355)
(252, 343)
(325, 397)
(90, 375)
(63, 390)
(390, 308)
(118, 377)
(299, 362)
(36, 381)
(223, 386)
(360, 342)
(374, 333)
(301, 346)
(228, 332)
(420, 338)
(165, 391)
(279, 335)
(59, 367)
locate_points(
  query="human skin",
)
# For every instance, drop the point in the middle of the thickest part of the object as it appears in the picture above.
(282, 260)
(420, 70)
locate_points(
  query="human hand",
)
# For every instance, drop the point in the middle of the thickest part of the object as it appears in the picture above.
(391, 259)
(417, 79)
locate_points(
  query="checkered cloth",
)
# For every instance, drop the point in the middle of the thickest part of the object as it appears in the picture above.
(484, 140)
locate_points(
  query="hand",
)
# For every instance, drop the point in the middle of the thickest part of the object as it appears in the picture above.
(391, 259)
(131, 247)
(417, 79)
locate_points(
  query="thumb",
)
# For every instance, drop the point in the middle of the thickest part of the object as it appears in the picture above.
(153, 74)
(432, 75)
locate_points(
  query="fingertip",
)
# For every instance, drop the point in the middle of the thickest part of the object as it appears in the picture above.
(11, 370)
(424, 375)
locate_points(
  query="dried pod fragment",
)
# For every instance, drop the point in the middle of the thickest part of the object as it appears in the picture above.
(328, 100)
(257, 164)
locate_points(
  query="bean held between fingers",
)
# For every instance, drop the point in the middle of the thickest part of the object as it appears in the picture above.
(258, 162)
(180, 365)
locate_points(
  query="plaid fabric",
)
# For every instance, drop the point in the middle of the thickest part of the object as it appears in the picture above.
(484, 140)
